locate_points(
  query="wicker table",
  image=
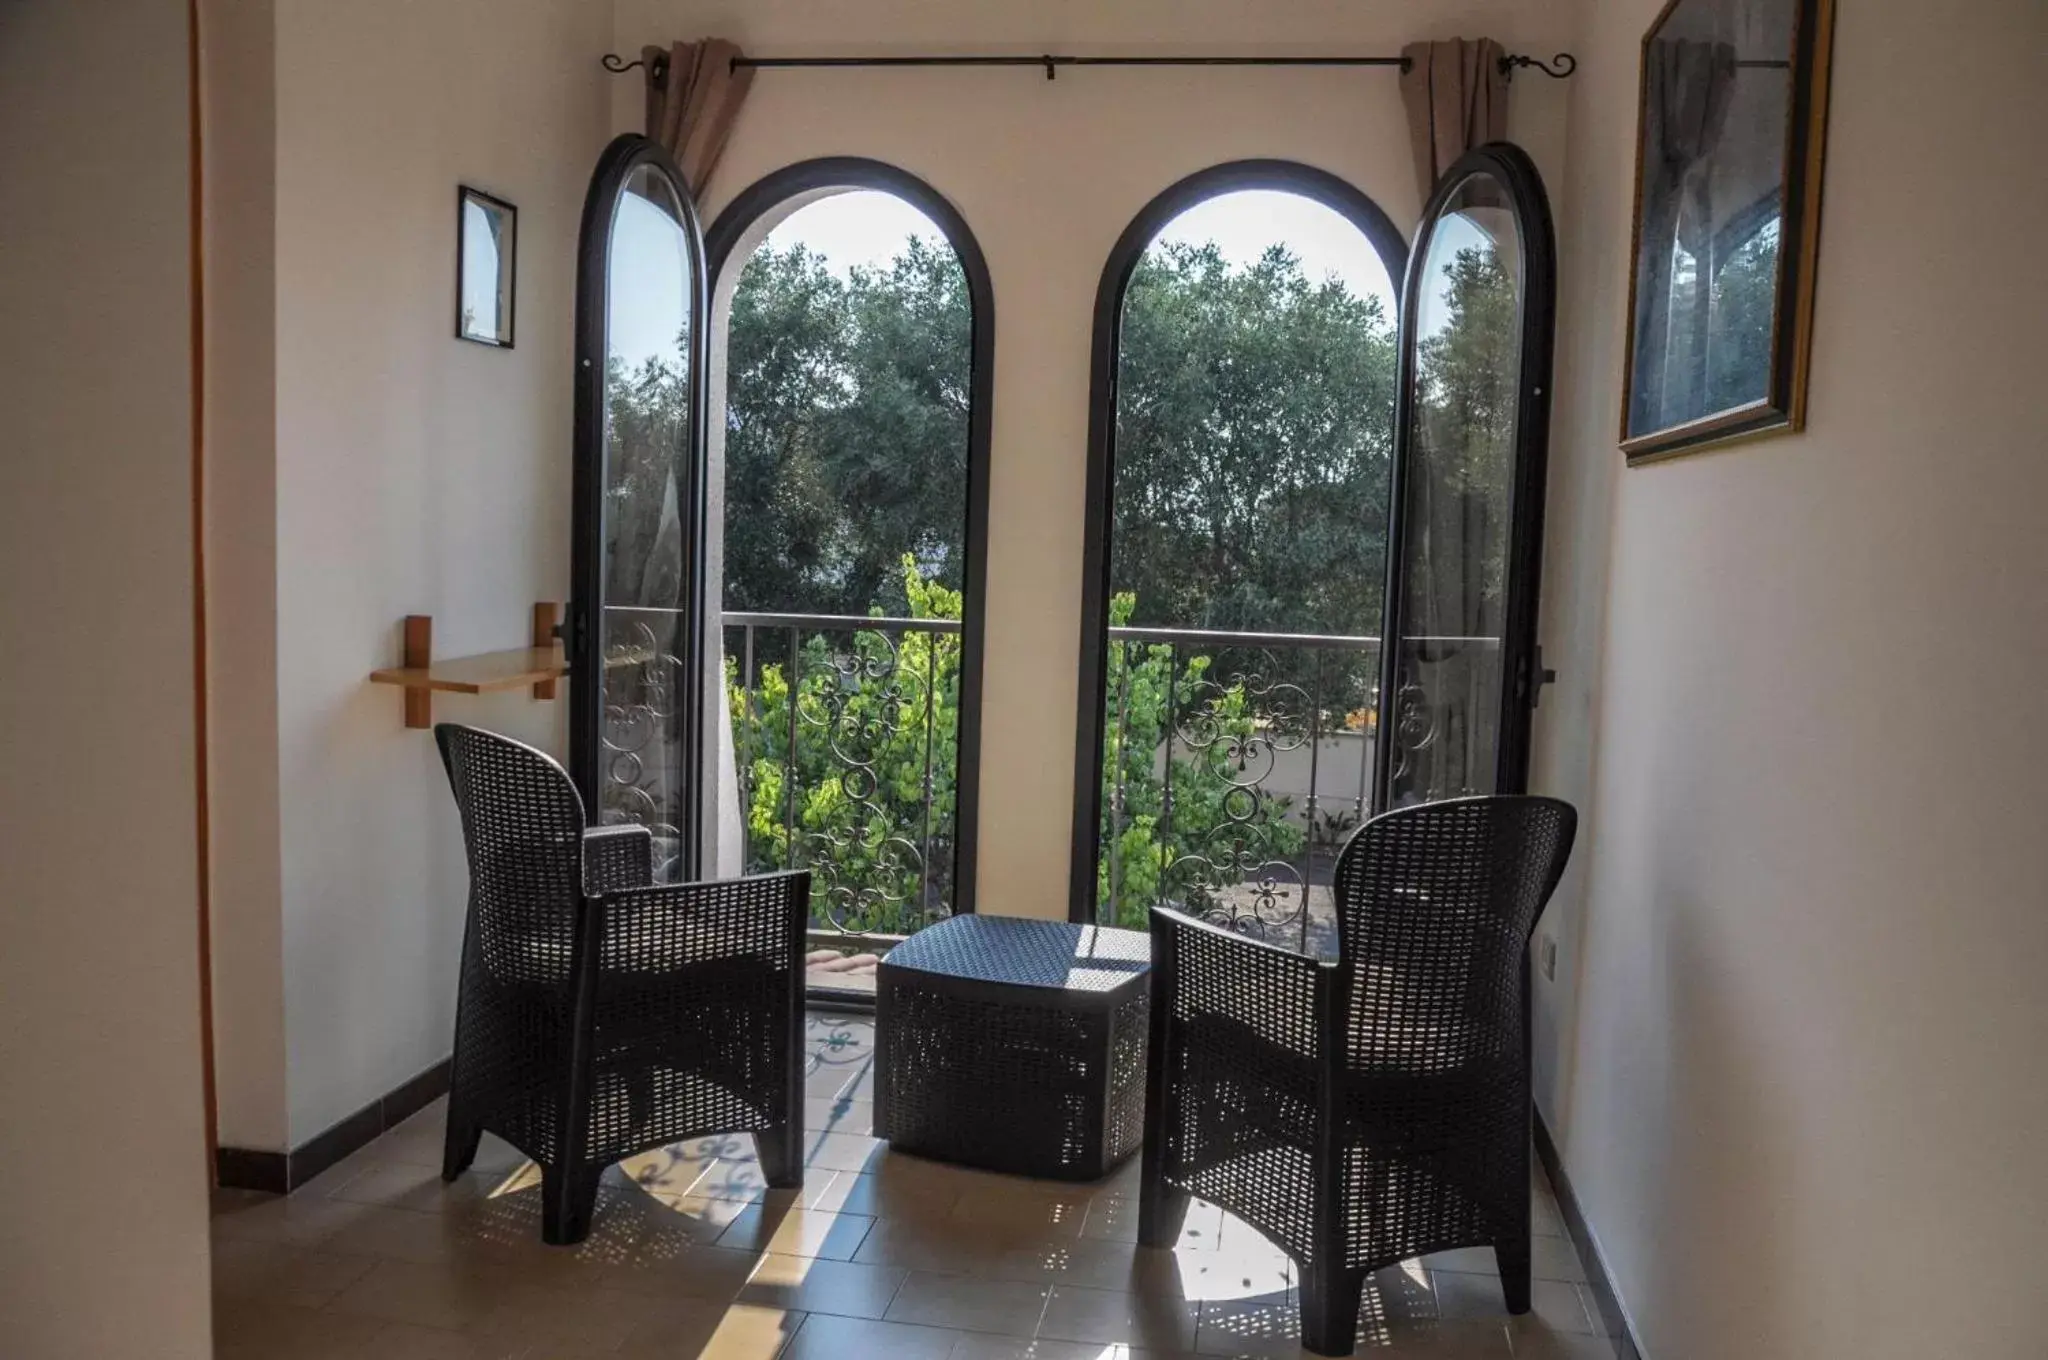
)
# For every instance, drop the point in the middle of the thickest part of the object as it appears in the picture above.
(1014, 1045)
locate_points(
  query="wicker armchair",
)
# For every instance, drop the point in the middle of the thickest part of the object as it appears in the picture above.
(602, 1014)
(1376, 1108)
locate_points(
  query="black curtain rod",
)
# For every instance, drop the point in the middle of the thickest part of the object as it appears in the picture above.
(1559, 66)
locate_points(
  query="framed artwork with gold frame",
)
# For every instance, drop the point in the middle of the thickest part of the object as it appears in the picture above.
(1730, 131)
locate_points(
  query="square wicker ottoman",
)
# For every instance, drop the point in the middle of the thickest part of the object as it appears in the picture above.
(1014, 1045)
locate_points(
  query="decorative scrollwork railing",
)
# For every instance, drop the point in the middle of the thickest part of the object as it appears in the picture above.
(640, 779)
(846, 729)
(1235, 764)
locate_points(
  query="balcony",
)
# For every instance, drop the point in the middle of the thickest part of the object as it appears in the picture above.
(1235, 763)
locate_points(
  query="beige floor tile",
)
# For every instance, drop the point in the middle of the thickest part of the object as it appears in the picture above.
(1114, 1218)
(404, 1341)
(1023, 1217)
(1550, 1258)
(1554, 1303)
(880, 1194)
(848, 1080)
(454, 1297)
(248, 1330)
(595, 1319)
(807, 1285)
(984, 1346)
(1105, 1317)
(1530, 1343)
(791, 1230)
(400, 1235)
(967, 1304)
(837, 1338)
(940, 1246)
(282, 1273)
(302, 1219)
(406, 1185)
(832, 1114)
(738, 1332)
(1396, 1310)
(842, 1151)
(691, 1271)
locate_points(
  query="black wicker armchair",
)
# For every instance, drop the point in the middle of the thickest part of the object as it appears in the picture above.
(1376, 1108)
(601, 1014)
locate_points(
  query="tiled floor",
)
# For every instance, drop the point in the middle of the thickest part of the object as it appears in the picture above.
(878, 1255)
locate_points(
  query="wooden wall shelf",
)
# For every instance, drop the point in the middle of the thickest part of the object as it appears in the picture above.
(540, 665)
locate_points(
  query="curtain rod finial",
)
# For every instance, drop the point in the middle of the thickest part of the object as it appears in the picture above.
(1557, 68)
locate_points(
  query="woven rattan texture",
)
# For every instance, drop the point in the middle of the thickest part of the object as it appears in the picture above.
(1376, 1108)
(1435, 908)
(1022, 953)
(1241, 1125)
(601, 1015)
(1035, 1078)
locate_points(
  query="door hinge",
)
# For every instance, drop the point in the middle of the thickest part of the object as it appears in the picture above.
(1536, 677)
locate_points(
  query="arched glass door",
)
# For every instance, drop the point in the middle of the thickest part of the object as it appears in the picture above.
(633, 637)
(1471, 431)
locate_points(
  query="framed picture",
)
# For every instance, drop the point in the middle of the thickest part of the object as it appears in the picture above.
(1729, 136)
(486, 255)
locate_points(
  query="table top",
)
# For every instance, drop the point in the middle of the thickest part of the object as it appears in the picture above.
(1057, 955)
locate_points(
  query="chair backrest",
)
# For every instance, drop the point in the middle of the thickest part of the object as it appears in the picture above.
(522, 824)
(1435, 906)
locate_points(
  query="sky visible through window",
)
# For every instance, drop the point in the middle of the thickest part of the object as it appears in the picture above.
(868, 228)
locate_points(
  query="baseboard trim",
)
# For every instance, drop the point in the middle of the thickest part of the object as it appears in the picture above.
(1613, 1320)
(280, 1173)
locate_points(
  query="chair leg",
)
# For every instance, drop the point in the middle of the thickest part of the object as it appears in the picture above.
(782, 1156)
(568, 1198)
(1161, 1212)
(459, 1146)
(1330, 1299)
(1513, 1259)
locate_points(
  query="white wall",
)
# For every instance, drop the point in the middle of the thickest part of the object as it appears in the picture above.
(1807, 1080)
(238, 79)
(102, 1144)
(1047, 174)
(407, 472)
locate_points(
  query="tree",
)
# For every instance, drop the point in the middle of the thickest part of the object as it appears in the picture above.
(846, 430)
(1253, 445)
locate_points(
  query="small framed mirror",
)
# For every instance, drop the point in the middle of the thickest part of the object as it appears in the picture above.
(487, 247)
(1729, 135)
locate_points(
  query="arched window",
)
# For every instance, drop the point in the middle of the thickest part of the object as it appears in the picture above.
(848, 473)
(1241, 443)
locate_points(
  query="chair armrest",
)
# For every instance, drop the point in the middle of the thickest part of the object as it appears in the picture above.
(616, 857)
(1203, 972)
(673, 925)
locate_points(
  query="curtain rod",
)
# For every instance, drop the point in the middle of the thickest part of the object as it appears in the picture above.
(1559, 66)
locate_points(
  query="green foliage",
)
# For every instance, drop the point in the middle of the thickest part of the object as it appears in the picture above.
(846, 430)
(1253, 439)
(874, 712)
(1148, 851)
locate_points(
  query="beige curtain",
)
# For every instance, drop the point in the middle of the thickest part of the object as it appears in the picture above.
(692, 109)
(1457, 98)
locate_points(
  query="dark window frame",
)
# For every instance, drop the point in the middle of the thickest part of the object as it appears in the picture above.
(582, 631)
(1285, 176)
(770, 192)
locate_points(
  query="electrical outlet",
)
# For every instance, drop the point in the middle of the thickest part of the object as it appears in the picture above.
(1546, 957)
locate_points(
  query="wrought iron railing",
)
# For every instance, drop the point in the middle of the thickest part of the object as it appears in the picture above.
(1233, 765)
(846, 732)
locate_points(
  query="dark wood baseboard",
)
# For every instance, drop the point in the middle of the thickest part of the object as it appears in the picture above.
(1614, 1321)
(280, 1173)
